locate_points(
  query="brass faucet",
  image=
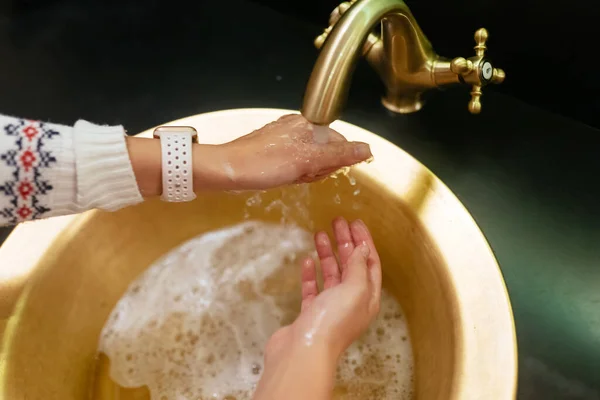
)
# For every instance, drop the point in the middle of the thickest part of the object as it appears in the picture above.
(401, 54)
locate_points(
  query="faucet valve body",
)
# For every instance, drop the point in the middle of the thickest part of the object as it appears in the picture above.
(477, 71)
(400, 53)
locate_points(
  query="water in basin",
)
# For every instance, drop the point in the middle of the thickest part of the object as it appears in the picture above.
(194, 325)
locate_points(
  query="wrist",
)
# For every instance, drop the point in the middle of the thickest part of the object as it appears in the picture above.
(299, 371)
(301, 354)
(208, 161)
(145, 157)
(210, 167)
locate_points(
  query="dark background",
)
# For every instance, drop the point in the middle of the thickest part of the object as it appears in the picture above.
(547, 48)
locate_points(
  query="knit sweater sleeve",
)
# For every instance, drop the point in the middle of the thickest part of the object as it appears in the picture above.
(48, 169)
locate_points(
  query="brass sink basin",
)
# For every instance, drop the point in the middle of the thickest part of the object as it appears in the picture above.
(435, 259)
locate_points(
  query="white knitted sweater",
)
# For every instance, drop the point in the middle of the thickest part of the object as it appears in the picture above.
(49, 169)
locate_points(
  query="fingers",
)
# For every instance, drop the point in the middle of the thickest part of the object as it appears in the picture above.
(335, 136)
(359, 260)
(329, 264)
(288, 117)
(326, 173)
(345, 243)
(356, 269)
(309, 282)
(338, 154)
(320, 175)
(361, 234)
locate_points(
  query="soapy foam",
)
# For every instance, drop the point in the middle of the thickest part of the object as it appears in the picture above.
(195, 323)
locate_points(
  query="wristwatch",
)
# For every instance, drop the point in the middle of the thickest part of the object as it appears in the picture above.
(177, 172)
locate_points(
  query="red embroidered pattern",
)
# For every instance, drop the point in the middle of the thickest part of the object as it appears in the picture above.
(28, 160)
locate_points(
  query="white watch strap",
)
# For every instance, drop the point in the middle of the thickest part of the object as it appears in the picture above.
(177, 175)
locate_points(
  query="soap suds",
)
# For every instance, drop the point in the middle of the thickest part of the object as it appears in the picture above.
(195, 323)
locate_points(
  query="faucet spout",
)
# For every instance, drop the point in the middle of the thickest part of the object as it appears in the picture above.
(400, 53)
(329, 82)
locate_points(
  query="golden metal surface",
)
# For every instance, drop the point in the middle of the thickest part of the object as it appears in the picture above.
(436, 261)
(176, 129)
(400, 53)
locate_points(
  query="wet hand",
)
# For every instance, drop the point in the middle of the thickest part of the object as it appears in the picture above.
(281, 153)
(288, 151)
(301, 358)
(350, 300)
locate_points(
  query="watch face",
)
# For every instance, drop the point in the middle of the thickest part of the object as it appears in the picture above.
(176, 129)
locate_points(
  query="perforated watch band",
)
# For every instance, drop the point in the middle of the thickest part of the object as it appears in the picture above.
(177, 173)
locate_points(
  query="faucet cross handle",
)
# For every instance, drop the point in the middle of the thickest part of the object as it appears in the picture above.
(477, 71)
(336, 14)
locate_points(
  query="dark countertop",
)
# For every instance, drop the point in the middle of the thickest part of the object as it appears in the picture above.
(528, 177)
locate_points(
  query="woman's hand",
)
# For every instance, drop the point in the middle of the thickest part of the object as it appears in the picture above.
(285, 152)
(300, 359)
(352, 290)
(280, 153)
